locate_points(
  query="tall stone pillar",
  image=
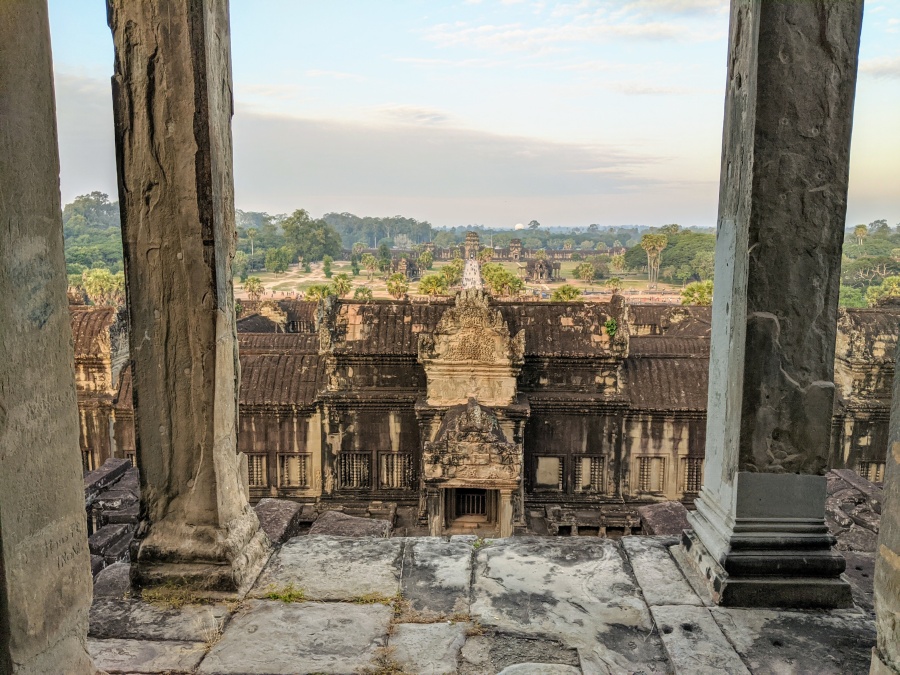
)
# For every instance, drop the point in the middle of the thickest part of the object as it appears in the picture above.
(886, 655)
(758, 533)
(45, 578)
(173, 108)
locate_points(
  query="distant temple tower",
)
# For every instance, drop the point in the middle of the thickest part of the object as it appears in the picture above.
(472, 245)
(515, 249)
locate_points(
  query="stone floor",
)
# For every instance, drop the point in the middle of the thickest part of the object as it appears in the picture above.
(524, 606)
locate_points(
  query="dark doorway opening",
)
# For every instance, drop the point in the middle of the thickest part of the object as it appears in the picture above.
(471, 502)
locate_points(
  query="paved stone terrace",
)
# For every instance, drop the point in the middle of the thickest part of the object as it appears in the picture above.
(524, 606)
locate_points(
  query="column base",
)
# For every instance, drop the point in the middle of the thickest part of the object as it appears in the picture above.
(775, 588)
(209, 562)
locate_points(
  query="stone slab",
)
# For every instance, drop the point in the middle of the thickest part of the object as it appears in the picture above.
(540, 669)
(770, 641)
(695, 643)
(146, 656)
(576, 590)
(280, 519)
(665, 518)
(337, 524)
(437, 574)
(492, 652)
(108, 473)
(334, 568)
(861, 575)
(113, 582)
(269, 637)
(134, 619)
(660, 579)
(431, 648)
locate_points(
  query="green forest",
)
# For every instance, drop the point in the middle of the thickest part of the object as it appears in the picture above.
(870, 271)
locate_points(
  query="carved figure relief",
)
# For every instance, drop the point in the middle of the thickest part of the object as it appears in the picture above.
(470, 445)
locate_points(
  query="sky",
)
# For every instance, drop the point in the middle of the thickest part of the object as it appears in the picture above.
(491, 112)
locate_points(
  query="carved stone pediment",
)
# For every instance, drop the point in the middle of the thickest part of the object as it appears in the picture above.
(471, 449)
(471, 354)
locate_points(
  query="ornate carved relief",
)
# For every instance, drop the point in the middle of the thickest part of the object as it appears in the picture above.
(471, 449)
(471, 354)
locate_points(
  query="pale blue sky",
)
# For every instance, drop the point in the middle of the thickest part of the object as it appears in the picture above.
(478, 111)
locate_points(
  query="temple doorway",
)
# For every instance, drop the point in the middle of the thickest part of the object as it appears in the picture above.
(471, 510)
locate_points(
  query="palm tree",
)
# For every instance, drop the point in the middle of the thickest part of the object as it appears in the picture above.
(860, 232)
(254, 287)
(617, 262)
(585, 272)
(566, 293)
(433, 284)
(614, 284)
(653, 244)
(397, 285)
(370, 262)
(342, 284)
(363, 293)
(251, 232)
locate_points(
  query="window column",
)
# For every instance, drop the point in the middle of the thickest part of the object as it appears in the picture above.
(172, 98)
(759, 535)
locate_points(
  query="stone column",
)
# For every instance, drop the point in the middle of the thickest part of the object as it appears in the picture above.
(505, 515)
(45, 578)
(886, 655)
(434, 501)
(759, 534)
(173, 108)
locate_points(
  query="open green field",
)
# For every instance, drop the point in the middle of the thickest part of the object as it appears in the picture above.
(295, 281)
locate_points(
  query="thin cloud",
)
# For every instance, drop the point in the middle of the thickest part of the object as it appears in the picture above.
(334, 74)
(884, 67)
(410, 114)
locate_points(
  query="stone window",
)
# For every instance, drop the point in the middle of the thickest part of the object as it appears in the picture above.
(872, 471)
(258, 470)
(131, 458)
(354, 470)
(589, 474)
(87, 460)
(691, 474)
(395, 471)
(293, 470)
(651, 474)
(548, 473)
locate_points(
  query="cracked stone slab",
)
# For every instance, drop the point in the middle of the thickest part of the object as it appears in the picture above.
(269, 637)
(492, 652)
(576, 590)
(133, 619)
(431, 648)
(437, 574)
(334, 568)
(540, 669)
(695, 643)
(658, 576)
(145, 656)
(771, 641)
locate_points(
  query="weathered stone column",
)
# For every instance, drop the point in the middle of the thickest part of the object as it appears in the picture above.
(886, 655)
(45, 577)
(759, 533)
(173, 109)
(505, 512)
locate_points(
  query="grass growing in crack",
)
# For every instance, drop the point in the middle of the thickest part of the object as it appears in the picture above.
(481, 542)
(373, 599)
(289, 593)
(474, 629)
(211, 629)
(384, 663)
(170, 596)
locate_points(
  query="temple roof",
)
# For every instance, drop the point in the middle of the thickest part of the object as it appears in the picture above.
(281, 379)
(90, 329)
(666, 383)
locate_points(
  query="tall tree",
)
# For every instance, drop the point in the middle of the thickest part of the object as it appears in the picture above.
(312, 239)
(860, 232)
(654, 245)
